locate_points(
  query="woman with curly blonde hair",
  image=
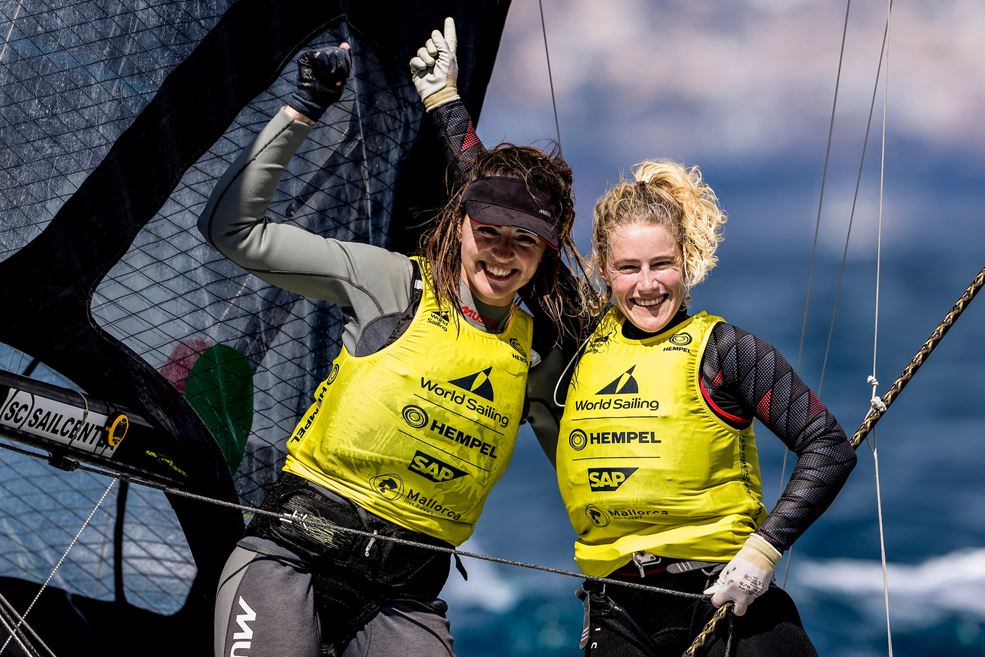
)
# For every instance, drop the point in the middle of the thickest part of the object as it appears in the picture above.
(657, 461)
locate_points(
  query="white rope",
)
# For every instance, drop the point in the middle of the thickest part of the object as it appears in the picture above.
(54, 570)
(12, 631)
(882, 543)
(874, 400)
(30, 641)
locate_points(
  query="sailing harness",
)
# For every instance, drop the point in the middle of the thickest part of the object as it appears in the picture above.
(354, 575)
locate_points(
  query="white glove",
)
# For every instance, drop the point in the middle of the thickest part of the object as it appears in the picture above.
(435, 68)
(747, 575)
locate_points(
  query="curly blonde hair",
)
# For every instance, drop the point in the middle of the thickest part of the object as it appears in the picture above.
(663, 193)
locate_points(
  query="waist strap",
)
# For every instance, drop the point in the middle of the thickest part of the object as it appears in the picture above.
(644, 564)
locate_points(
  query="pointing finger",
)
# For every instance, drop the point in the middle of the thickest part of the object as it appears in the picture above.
(451, 38)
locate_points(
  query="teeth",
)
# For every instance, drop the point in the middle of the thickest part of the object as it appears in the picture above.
(496, 271)
(646, 303)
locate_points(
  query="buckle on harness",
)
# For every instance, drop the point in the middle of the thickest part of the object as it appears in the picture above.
(643, 559)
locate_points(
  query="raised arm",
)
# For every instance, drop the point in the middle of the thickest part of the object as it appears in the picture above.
(364, 280)
(434, 70)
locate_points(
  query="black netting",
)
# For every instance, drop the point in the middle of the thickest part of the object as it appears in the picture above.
(116, 119)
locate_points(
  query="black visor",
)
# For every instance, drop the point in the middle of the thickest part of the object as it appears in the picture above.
(503, 201)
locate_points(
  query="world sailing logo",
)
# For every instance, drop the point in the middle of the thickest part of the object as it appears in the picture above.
(478, 384)
(622, 393)
(624, 384)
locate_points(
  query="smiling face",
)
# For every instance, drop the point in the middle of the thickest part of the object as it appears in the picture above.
(498, 260)
(643, 270)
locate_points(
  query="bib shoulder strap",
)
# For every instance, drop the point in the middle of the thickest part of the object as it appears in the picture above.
(384, 331)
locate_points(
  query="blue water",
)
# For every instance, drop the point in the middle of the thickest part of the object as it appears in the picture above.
(930, 459)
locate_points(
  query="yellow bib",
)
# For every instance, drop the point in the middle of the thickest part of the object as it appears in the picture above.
(643, 463)
(419, 432)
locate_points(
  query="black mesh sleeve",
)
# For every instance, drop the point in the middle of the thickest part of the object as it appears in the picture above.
(461, 143)
(747, 376)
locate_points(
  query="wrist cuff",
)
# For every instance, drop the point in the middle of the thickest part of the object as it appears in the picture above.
(438, 98)
(759, 551)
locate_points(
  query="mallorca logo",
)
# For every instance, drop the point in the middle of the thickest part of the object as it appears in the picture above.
(577, 439)
(624, 384)
(431, 468)
(388, 486)
(608, 479)
(478, 384)
(415, 416)
(681, 339)
(597, 516)
(333, 374)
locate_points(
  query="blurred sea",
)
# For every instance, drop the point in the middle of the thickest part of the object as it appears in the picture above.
(930, 448)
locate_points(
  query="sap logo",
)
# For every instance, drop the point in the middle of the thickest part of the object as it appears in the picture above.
(431, 468)
(243, 639)
(608, 479)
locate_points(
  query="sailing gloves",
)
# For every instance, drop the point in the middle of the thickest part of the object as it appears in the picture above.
(747, 575)
(435, 68)
(321, 80)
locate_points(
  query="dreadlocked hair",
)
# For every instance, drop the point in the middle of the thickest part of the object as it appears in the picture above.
(663, 193)
(546, 172)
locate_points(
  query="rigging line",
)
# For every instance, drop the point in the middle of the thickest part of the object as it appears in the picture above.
(8, 613)
(875, 401)
(357, 110)
(876, 411)
(709, 629)
(393, 539)
(550, 77)
(61, 559)
(851, 216)
(28, 649)
(882, 540)
(817, 230)
(824, 178)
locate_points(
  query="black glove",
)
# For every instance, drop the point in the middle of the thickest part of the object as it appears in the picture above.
(321, 79)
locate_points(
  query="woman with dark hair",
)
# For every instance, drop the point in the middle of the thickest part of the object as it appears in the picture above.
(418, 416)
